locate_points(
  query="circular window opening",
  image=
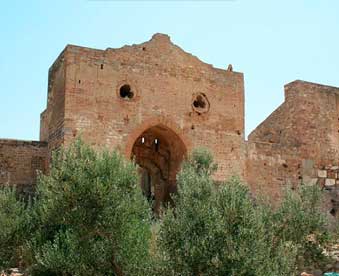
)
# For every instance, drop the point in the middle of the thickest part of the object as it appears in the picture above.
(126, 92)
(200, 103)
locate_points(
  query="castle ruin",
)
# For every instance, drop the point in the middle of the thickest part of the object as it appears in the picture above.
(155, 103)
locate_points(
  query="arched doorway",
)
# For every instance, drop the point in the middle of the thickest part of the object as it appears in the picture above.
(159, 152)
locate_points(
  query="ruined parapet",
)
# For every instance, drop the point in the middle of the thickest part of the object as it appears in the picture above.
(20, 161)
(298, 138)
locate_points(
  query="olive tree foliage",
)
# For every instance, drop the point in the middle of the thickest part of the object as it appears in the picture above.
(217, 229)
(88, 217)
(13, 216)
(300, 220)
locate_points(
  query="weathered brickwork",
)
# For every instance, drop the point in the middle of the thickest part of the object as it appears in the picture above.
(155, 103)
(116, 97)
(165, 82)
(20, 161)
(296, 140)
(52, 120)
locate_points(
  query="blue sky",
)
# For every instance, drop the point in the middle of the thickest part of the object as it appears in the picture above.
(271, 42)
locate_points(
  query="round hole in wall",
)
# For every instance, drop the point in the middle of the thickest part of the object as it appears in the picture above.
(200, 103)
(333, 212)
(126, 92)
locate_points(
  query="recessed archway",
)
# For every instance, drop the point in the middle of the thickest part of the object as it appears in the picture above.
(159, 152)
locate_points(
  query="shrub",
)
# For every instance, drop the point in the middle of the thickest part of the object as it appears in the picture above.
(88, 217)
(13, 217)
(218, 230)
(301, 221)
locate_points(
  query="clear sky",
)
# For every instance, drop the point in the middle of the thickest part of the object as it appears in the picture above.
(272, 42)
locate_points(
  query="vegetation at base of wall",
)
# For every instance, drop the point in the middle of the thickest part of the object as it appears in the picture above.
(220, 231)
(89, 217)
(14, 214)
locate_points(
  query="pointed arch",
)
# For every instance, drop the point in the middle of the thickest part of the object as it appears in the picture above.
(159, 150)
(154, 121)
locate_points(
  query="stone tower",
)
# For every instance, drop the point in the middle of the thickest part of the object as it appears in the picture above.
(153, 101)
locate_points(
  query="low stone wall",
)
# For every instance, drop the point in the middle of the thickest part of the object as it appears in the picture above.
(20, 161)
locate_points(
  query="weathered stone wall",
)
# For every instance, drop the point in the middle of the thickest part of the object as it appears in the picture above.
(269, 169)
(328, 178)
(306, 122)
(52, 120)
(166, 83)
(296, 140)
(19, 162)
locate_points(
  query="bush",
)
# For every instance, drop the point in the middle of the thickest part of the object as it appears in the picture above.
(218, 230)
(88, 217)
(13, 212)
(301, 221)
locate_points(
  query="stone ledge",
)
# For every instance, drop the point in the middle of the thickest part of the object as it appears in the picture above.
(14, 142)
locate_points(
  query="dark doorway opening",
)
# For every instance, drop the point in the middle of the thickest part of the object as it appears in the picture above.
(159, 152)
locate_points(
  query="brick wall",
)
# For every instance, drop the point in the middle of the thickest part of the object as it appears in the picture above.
(165, 82)
(19, 162)
(52, 120)
(296, 140)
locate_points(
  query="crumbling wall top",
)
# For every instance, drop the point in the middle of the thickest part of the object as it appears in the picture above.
(299, 87)
(14, 142)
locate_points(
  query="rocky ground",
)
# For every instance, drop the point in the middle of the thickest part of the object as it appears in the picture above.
(332, 266)
(13, 272)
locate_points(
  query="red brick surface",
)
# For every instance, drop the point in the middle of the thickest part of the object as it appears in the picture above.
(19, 162)
(296, 140)
(165, 81)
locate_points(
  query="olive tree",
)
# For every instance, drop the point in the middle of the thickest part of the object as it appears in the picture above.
(88, 217)
(218, 229)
